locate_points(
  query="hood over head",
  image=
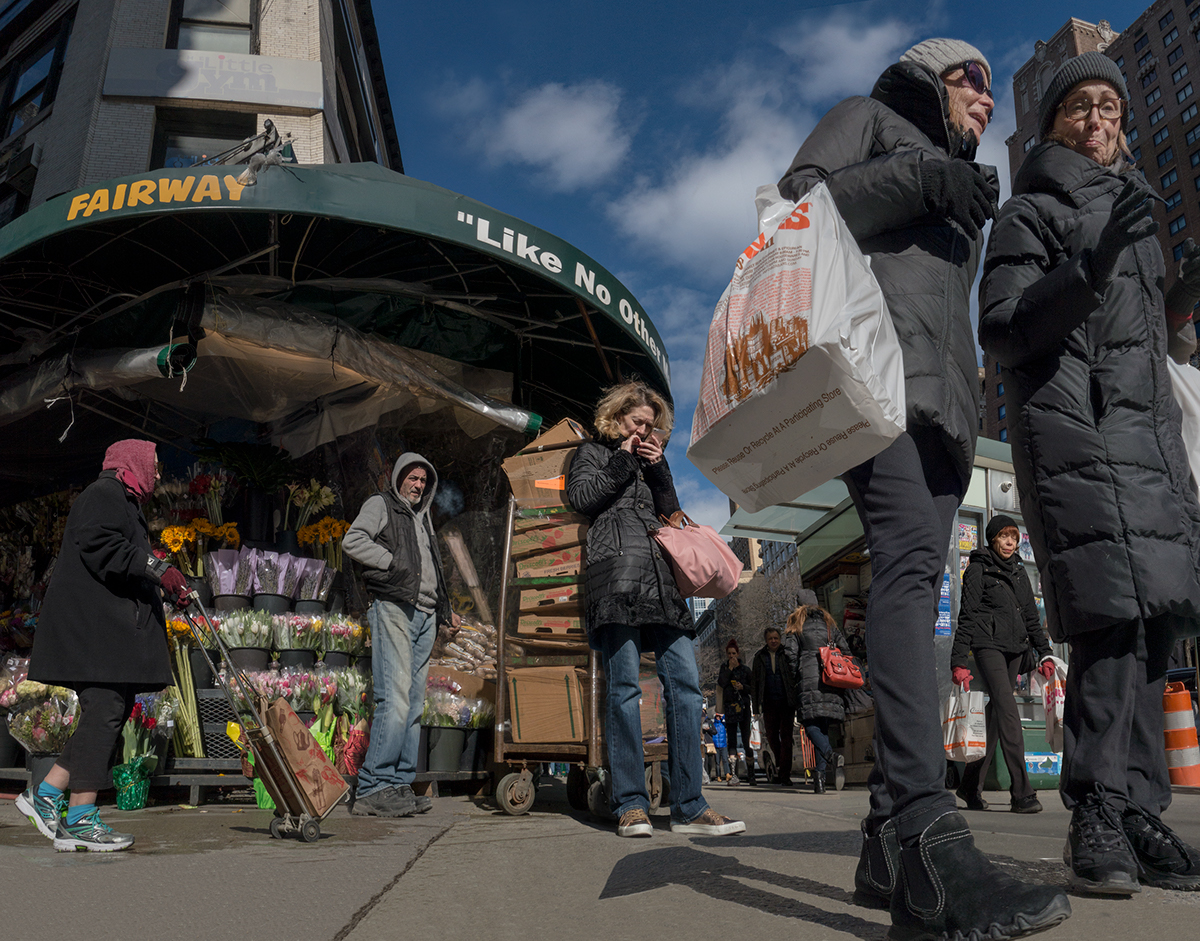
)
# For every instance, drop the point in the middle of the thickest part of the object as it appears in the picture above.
(918, 94)
(403, 462)
(133, 459)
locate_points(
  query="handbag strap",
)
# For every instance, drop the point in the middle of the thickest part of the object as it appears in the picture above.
(677, 520)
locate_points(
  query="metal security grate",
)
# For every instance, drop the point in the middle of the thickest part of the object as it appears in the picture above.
(215, 713)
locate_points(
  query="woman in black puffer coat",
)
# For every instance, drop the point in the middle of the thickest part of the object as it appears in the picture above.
(623, 485)
(998, 621)
(809, 628)
(1072, 308)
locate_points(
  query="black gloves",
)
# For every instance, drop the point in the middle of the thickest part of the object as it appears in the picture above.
(956, 190)
(1129, 222)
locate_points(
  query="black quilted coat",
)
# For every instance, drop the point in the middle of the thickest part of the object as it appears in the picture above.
(628, 580)
(1101, 468)
(816, 699)
(869, 152)
(998, 610)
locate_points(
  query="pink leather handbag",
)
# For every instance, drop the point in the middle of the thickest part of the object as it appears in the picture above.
(703, 564)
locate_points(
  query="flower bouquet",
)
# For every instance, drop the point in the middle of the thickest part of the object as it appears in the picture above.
(13, 671)
(315, 580)
(246, 628)
(297, 632)
(307, 500)
(231, 572)
(444, 703)
(345, 635)
(290, 569)
(211, 489)
(40, 717)
(146, 733)
(325, 539)
(352, 705)
(267, 574)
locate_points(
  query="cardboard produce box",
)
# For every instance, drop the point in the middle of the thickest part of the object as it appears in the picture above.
(552, 627)
(546, 705)
(523, 524)
(548, 540)
(540, 478)
(566, 434)
(559, 562)
(554, 599)
(472, 686)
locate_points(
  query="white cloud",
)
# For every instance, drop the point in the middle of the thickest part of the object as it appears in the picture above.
(843, 56)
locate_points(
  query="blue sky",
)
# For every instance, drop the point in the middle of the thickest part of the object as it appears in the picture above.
(640, 131)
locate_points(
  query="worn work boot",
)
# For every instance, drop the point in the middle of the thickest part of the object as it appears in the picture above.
(878, 863)
(422, 802)
(1098, 851)
(1163, 859)
(387, 802)
(948, 890)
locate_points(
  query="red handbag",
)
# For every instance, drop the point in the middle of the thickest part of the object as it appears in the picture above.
(838, 669)
(703, 565)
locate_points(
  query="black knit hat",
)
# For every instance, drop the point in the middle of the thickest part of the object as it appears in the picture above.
(998, 524)
(1091, 66)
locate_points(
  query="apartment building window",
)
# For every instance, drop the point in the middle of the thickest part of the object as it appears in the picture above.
(1177, 225)
(1175, 56)
(1029, 144)
(213, 25)
(1001, 412)
(1136, 153)
(1173, 200)
(997, 369)
(1179, 72)
(1184, 93)
(1132, 135)
(1153, 96)
(1003, 434)
(1187, 114)
(1177, 251)
(1167, 20)
(1171, 37)
(999, 389)
(1157, 115)
(1194, 12)
(1168, 178)
(1166, 157)
(1144, 59)
(1121, 60)
(1141, 43)
(29, 84)
(1159, 136)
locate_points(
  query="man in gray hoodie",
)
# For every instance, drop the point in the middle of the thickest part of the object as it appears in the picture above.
(392, 537)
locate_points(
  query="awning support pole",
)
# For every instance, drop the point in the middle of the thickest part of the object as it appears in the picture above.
(587, 322)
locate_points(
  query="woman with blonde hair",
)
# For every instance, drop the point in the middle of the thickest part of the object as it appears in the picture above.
(809, 628)
(622, 483)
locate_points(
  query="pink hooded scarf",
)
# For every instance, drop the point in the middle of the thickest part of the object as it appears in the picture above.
(133, 460)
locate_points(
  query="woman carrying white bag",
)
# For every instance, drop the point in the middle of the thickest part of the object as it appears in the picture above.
(898, 167)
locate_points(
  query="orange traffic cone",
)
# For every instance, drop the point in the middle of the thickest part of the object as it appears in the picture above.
(1179, 735)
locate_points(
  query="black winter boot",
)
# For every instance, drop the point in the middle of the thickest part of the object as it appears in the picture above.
(878, 863)
(948, 890)
(1098, 851)
(818, 782)
(1163, 859)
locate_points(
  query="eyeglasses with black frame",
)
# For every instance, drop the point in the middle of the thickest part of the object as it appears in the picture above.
(1079, 109)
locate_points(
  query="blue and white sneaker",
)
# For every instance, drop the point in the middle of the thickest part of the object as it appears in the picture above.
(43, 812)
(90, 834)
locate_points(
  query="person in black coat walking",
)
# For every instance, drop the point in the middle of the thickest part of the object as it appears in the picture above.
(998, 622)
(1072, 308)
(735, 681)
(623, 485)
(774, 699)
(899, 166)
(102, 633)
(809, 628)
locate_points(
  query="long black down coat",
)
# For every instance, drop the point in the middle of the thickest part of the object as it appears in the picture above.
(102, 619)
(628, 579)
(1101, 467)
(817, 700)
(998, 610)
(869, 152)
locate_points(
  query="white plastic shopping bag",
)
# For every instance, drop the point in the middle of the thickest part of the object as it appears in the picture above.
(964, 728)
(803, 375)
(1053, 693)
(1185, 383)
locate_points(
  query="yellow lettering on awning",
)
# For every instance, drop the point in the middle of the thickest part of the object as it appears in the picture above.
(209, 188)
(235, 188)
(119, 199)
(99, 203)
(78, 204)
(174, 190)
(141, 192)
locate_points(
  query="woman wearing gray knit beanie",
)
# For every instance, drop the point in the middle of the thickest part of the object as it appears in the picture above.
(1072, 308)
(899, 166)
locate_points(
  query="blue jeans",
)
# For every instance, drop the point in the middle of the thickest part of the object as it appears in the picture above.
(817, 731)
(401, 642)
(621, 649)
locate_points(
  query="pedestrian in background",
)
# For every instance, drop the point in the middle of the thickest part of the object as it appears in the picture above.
(1072, 308)
(622, 483)
(774, 700)
(721, 743)
(998, 622)
(899, 166)
(735, 681)
(809, 628)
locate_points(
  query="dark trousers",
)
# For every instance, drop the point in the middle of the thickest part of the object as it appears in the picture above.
(817, 731)
(777, 718)
(1113, 715)
(907, 497)
(735, 722)
(103, 711)
(997, 677)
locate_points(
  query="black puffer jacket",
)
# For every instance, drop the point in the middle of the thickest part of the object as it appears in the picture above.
(1101, 467)
(760, 669)
(869, 151)
(998, 611)
(102, 620)
(816, 699)
(628, 579)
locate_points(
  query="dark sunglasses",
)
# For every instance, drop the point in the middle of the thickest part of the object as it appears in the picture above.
(977, 79)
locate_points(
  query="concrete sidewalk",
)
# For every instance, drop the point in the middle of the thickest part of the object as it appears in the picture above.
(466, 870)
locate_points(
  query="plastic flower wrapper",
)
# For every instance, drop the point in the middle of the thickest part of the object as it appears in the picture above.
(298, 631)
(139, 730)
(246, 628)
(445, 708)
(223, 567)
(42, 717)
(13, 671)
(290, 568)
(351, 693)
(345, 635)
(268, 574)
(247, 568)
(483, 714)
(308, 579)
(299, 688)
(132, 781)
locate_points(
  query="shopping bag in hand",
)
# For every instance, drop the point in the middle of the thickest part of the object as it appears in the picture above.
(964, 728)
(1053, 693)
(803, 375)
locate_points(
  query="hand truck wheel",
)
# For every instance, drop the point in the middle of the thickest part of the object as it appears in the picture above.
(516, 794)
(276, 828)
(310, 831)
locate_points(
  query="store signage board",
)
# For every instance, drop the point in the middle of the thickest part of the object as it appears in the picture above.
(943, 628)
(364, 193)
(214, 76)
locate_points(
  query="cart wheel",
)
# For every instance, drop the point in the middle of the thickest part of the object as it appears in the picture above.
(310, 831)
(597, 799)
(515, 796)
(577, 788)
(276, 828)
